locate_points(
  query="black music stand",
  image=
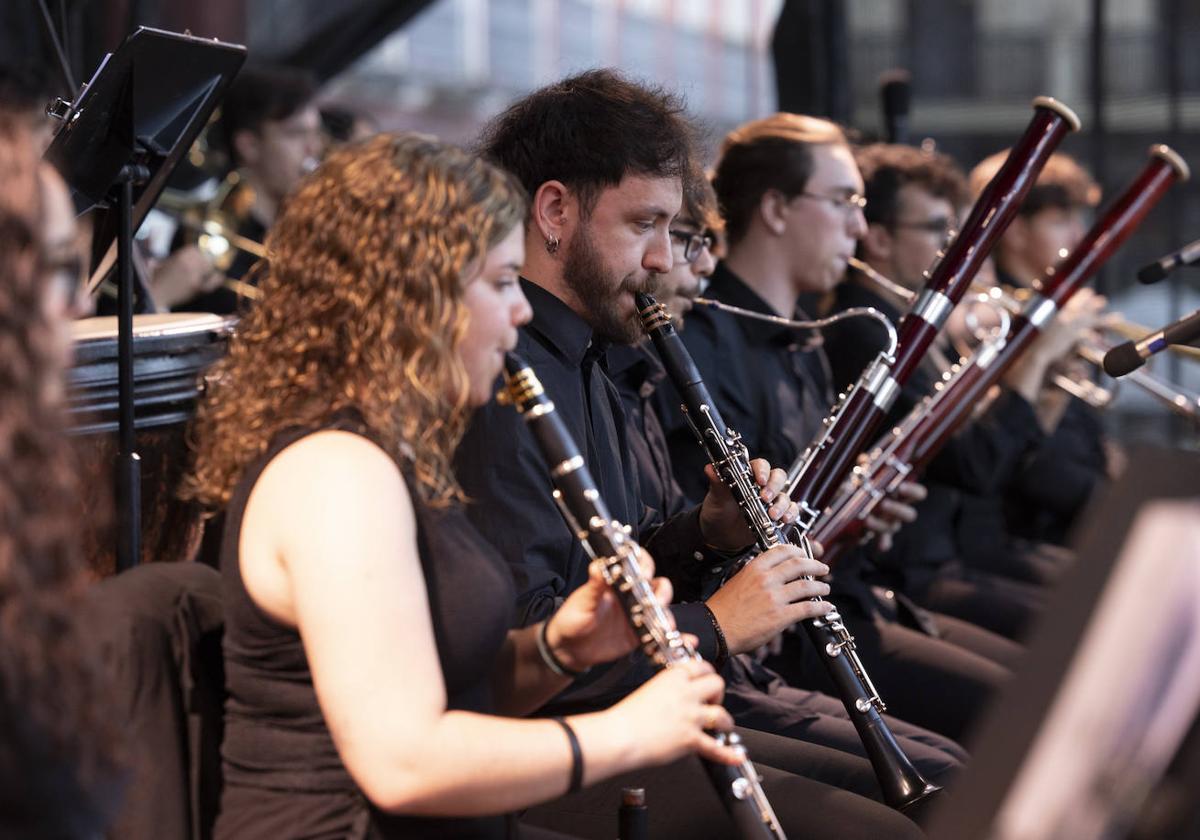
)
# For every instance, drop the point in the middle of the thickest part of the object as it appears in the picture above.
(1109, 685)
(119, 141)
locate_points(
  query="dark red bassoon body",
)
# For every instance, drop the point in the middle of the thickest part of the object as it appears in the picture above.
(911, 445)
(820, 471)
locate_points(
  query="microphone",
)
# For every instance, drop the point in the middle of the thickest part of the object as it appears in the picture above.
(1159, 269)
(895, 89)
(1128, 357)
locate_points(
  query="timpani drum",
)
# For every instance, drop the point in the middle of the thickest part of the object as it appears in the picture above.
(171, 352)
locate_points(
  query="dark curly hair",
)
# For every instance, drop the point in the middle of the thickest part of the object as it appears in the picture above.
(54, 734)
(888, 168)
(361, 309)
(589, 131)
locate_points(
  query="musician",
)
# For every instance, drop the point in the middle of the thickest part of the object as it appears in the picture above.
(757, 697)
(57, 771)
(791, 197)
(271, 129)
(603, 160)
(368, 660)
(1057, 480)
(913, 199)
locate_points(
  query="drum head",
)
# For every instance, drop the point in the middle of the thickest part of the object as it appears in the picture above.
(170, 352)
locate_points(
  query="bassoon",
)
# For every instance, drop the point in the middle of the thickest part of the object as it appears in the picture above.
(912, 444)
(608, 540)
(819, 471)
(901, 783)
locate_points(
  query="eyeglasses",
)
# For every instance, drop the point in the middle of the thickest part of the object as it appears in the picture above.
(939, 225)
(846, 203)
(693, 243)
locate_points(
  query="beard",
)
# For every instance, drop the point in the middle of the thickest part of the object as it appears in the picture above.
(599, 291)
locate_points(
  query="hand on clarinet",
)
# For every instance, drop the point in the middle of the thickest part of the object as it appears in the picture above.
(722, 522)
(675, 714)
(768, 595)
(894, 512)
(590, 627)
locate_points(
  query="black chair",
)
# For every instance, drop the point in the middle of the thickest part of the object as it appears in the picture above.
(159, 629)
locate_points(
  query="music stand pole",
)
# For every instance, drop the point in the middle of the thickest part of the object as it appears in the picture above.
(117, 145)
(129, 467)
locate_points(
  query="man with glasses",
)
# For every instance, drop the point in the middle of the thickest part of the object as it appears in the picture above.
(792, 198)
(756, 697)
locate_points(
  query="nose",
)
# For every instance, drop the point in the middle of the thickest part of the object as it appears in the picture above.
(659, 257)
(856, 223)
(705, 264)
(521, 312)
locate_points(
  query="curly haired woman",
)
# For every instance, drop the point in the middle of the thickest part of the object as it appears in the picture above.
(370, 664)
(54, 739)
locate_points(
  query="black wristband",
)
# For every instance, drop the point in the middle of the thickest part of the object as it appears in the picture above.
(548, 657)
(576, 755)
(722, 645)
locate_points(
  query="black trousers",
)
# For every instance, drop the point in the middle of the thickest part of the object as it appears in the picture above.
(931, 682)
(1024, 560)
(682, 804)
(760, 699)
(1003, 605)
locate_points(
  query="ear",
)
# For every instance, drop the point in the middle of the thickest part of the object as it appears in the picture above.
(877, 244)
(248, 147)
(772, 209)
(554, 211)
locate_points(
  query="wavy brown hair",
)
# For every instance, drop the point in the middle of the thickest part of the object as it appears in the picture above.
(361, 309)
(55, 737)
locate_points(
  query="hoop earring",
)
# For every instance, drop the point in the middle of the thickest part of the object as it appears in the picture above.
(552, 245)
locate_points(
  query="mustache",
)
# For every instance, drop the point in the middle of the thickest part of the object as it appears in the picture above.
(646, 284)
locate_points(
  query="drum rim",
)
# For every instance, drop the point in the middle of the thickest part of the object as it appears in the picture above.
(217, 324)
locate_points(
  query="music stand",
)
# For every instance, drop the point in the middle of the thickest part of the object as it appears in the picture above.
(1110, 683)
(119, 141)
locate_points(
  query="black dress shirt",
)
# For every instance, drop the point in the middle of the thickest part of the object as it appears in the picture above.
(502, 471)
(770, 383)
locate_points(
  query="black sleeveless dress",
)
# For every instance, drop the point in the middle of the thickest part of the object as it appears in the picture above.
(283, 776)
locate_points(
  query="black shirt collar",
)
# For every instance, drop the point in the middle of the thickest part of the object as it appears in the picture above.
(560, 328)
(854, 291)
(633, 366)
(727, 287)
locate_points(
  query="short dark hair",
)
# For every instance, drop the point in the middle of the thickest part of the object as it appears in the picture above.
(774, 153)
(700, 201)
(589, 131)
(263, 93)
(888, 168)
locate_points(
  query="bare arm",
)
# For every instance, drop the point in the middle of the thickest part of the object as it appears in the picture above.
(328, 545)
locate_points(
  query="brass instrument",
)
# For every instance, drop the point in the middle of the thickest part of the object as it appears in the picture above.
(1092, 352)
(212, 226)
(214, 222)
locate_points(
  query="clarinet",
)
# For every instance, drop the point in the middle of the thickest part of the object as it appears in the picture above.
(609, 541)
(902, 784)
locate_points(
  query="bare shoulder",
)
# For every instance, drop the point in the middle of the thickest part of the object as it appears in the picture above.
(332, 465)
(330, 486)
